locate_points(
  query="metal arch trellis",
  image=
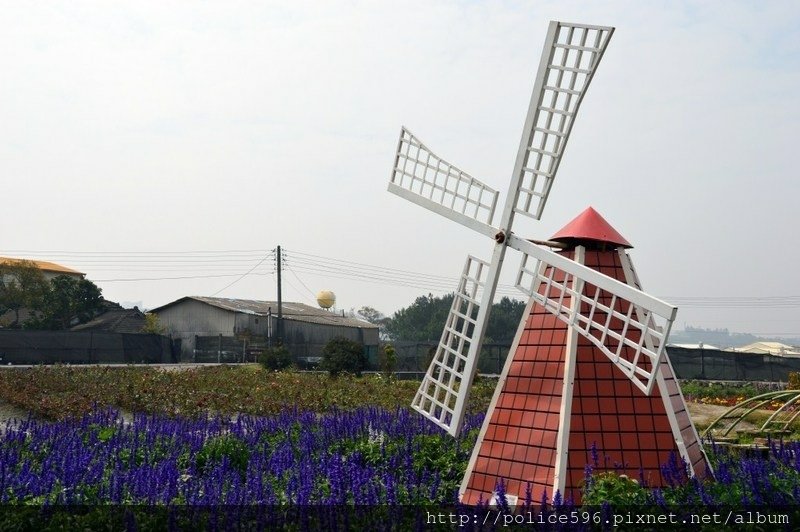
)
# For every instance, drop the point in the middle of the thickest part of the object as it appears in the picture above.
(778, 422)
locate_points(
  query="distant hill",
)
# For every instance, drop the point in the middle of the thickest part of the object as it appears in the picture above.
(723, 337)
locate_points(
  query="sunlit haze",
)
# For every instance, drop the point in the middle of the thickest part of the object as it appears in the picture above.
(165, 149)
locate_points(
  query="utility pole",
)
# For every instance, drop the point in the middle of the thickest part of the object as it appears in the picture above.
(280, 303)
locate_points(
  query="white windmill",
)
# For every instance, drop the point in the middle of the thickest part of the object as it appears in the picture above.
(536, 435)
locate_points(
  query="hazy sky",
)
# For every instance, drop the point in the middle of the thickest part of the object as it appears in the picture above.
(136, 135)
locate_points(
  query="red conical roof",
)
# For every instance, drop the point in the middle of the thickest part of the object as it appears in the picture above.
(589, 225)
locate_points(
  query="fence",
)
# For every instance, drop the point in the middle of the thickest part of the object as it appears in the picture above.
(65, 347)
(226, 349)
(416, 357)
(242, 349)
(413, 358)
(704, 364)
(712, 364)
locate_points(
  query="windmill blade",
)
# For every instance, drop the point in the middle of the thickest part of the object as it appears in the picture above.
(629, 326)
(444, 390)
(570, 57)
(426, 179)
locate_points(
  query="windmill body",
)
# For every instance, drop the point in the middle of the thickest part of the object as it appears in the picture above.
(560, 404)
(591, 345)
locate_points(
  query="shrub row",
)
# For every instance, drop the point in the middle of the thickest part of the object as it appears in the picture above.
(57, 392)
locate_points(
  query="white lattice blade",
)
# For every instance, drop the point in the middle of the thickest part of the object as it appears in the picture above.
(449, 375)
(425, 178)
(629, 326)
(569, 60)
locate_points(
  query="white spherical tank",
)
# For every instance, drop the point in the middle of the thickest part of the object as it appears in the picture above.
(326, 299)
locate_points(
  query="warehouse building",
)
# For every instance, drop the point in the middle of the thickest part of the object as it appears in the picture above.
(306, 329)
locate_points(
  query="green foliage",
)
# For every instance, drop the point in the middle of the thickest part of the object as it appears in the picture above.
(371, 315)
(375, 317)
(152, 325)
(67, 300)
(504, 321)
(424, 320)
(794, 380)
(617, 490)
(341, 355)
(437, 452)
(275, 358)
(388, 358)
(372, 449)
(224, 446)
(101, 433)
(273, 440)
(22, 285)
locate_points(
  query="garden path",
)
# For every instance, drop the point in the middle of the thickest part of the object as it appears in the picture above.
(9, 412)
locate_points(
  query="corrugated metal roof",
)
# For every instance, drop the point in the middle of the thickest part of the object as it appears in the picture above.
(291, 311)
(700, 345)
(769, 348)
(43, 265)
(119, 320)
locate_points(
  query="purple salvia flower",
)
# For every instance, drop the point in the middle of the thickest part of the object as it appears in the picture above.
(593, 451)
(557, 499)
(500, 497)
(528, 495)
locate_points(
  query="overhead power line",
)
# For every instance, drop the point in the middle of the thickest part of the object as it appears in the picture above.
(737, 302)
(52, 254)
(245, 274)
(171, 278)
(345, 269)
(209, 264)
(313, 295)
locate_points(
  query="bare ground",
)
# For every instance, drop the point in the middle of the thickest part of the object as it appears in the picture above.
(9, 412)
(703, 415)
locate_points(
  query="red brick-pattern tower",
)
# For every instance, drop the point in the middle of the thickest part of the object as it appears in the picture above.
(559, 396)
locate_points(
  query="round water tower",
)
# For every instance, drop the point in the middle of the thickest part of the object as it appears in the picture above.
(326, 299)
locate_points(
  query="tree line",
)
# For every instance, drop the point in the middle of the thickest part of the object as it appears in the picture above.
(29, 301)
(424, 320)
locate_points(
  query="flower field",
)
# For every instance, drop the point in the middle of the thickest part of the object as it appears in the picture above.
(742, 478)
(712, 393)
(241, 438)
(367, 456)
(360, 464)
